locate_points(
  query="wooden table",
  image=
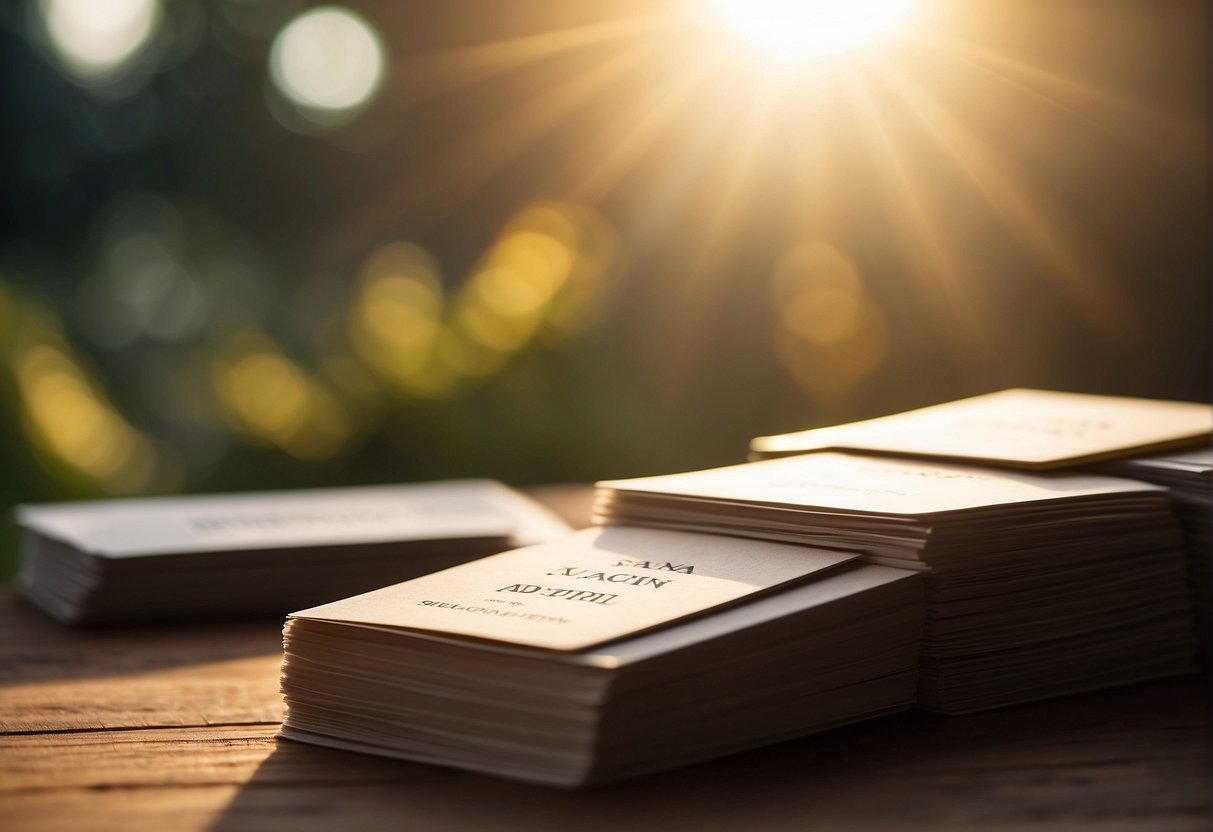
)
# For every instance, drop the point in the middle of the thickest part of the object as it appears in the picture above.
(172, 728)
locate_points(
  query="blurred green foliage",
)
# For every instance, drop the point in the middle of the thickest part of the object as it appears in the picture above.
(561, 244)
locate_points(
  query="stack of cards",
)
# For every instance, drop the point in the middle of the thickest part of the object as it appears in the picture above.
(1045, 429)
(1189, 476)
(260, 554)
(605, 655)
(1015, 428)
(1038, 584)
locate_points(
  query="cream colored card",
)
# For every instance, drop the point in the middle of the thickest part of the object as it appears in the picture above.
(584, 589)
(873, 485)
(291, 519)
(1020, 428)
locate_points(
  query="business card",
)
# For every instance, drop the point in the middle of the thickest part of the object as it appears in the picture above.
(585, 589)
(862, 484)
(1018, 428)
(135, 527)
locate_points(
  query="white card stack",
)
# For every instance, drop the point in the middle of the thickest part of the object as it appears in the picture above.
(508, 666)
(260, 554)
(1018, 428)
(1189, 477)
(1037, 584)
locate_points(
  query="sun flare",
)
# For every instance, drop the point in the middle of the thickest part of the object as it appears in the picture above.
(800, 28)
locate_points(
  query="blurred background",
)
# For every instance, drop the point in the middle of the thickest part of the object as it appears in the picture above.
(250, 244)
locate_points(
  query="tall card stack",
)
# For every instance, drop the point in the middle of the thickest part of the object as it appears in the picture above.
(1038, 584)
(605, 655)
(1189, 476)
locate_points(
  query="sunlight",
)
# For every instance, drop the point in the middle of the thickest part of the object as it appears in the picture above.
(798, 28)
(911, 158)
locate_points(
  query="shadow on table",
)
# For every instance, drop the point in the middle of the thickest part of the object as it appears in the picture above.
(304, 787)
(37, 648)
(1137, 755)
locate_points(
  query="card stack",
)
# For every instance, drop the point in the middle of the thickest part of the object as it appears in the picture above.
(1018, 428)
(260, 554)
(605, 655)
(1038, 584)
(1189, 477)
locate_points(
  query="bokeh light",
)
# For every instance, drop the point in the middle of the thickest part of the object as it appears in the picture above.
(95, 40)
(328, 62)
(539, 281)
(270, 399)
(158, 275)
(396, 317)
(832, 335)
(72, 426)
(548, 238)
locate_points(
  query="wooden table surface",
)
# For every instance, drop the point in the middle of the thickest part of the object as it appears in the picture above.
(172, 728)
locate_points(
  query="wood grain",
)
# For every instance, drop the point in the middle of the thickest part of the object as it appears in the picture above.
(233, 692)
(172, 728)
(36, 648)
(56, 679)
(1095, 770)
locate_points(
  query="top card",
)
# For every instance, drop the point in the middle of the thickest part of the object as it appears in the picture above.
(1018, 428)
(590, 587)
(857, 484)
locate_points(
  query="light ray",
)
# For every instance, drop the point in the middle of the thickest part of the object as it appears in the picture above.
(1057, 243)
(937, 262)
(606, 161)
(1091, 103)
(715, 133)
(434, 74)
(470, 164)
(697, 297)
